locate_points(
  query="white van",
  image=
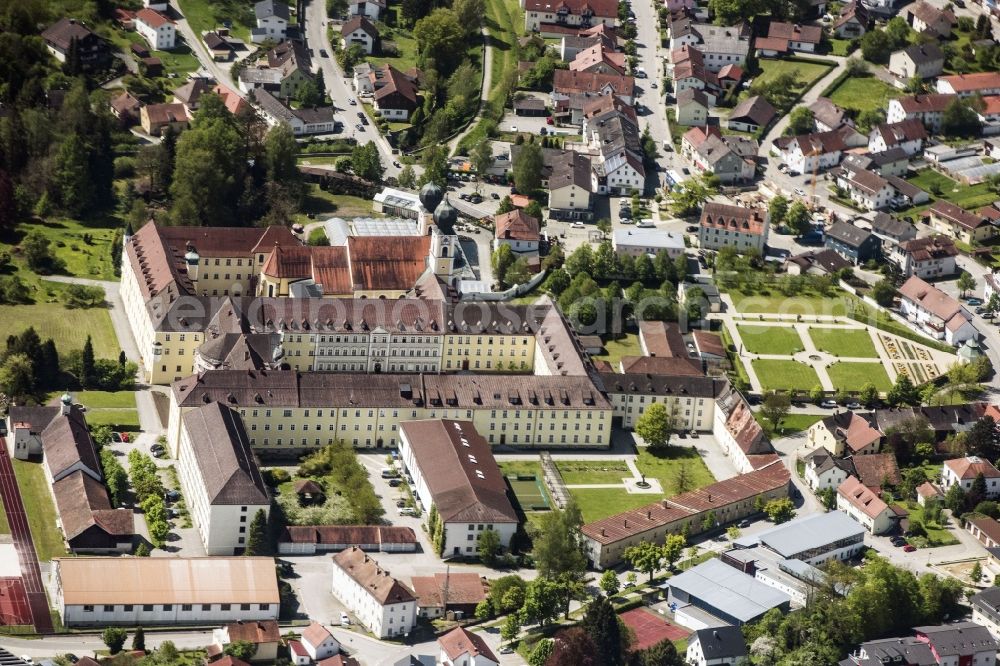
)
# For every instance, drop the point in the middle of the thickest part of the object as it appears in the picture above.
(645, 224)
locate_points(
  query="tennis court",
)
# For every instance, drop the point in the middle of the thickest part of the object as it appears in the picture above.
(530, 492)
(650, 628)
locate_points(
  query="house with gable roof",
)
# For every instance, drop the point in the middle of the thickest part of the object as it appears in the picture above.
(963, 472)
(552, 17)
(852, 22)
(382, 604)
(908, 135)
(461, 647)
(844, 434)
(924, 61)
(935, 313)
(860, 503)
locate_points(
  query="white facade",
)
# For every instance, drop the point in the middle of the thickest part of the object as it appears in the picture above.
(950, 478)
(150, 614)
(865, 198)
(325, 646)
(362, 8)
(638, 241)
(896, 113)
(271, 27)
(359, 37)
(401, 115)
(162, 37)
(384, 621)
(879, 523)
(955, 331)
(465, 659)
(829, 478)
(223, 528)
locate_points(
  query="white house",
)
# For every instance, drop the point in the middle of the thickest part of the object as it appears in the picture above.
(460, 647)
(739, 227)
(928, 109)
(935, 313)
(272, 21)
(986, 610)
(303, 121)
(967, 85)
(358, 30)
(824, 471)
(518, 230)
(639, 241)
(454, 472)
(928, 257)
(131, 591)
(817, 151)
(691, 107)
(319, 642)
(923, 61)
(263, 634)
(866, 188)
(716, 646)
(963, 472)
(382, 604)
(369, 8)
(907, 135)
(864, 506)
(222, 484)
(156, 29)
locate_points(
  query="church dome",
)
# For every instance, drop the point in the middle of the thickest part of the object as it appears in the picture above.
(445, 216)
(430, 196)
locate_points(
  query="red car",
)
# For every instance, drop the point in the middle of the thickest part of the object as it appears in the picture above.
(909, 548)
(548, 121)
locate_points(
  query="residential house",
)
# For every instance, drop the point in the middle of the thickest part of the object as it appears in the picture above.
(461, 647)
(845, 434)
(614, 140)
(220, 47)
(923, 61)
(650, 242)
(861, 504)
(928, 109)
(926, 18)
(359, 30)
(382, 605)
(599, 59)
(813, 262)
(361, 79)
(960, 224)
(730, 76)
(264, 635)
(991, 286)
(691, 108)
(927, 491)
(720, 45)
(370, 9)
(451, 592)
(318, 642)
(272, 21)
(709, 347)
(552, 20)
(959, 643)
(876, 471)
(190, 94)
(235, 103)
(569, 188)
(283, 71)
(963, 472)
(827, 116)
(566, 82)
(852, 22)
(154, 118)
(518, 230)
(738, 227)
(935, 313)
(158, 30)
(454, 472)
(852, 243)
(967, 85)
(222, 484)
(688, 71)
(751, 115)
(60, 38)
(818, 151)
(907, 135)
(824, 470)
(892, 230)
(989, 115)
(572, 44)
(302, 121)
(732, 158)
(986, 610)
(892, 162)
(105, 591)
(395, 95)
(866, 189)
(784, 38)
(126, 108)
(928, 257)
(716, 646)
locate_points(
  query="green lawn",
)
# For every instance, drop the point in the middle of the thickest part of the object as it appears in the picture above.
(323, 204)
(524, 467)
(838, 47)
(805, 72)
(966, 196)
(937, 535)
(124, 419)
(84, 247)
(853, 376)
(792, 423)
(770, 339)
(405, 44)
(207, 15)
(863, 93)
(776, 303)
(665, 467)
(41, 511)
(615, 349)
(844, 342)
(597, 503)
(785, 375)
(576, 472)
(68, 328)
(106, 399)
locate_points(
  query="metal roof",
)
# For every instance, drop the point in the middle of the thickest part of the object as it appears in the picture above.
(729, 590)
(804, 534)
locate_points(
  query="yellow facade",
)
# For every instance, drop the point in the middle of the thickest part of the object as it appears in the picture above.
(490, 352)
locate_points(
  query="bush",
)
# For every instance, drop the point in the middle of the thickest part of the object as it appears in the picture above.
(124, 167)
(275, 477)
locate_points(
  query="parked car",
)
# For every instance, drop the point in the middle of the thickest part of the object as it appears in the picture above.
(323, 53)
(909, 548)
(159, 453)
(344, 620)
(407, 511)
(691, 229)
(156, 447)
(549, 121)
(494, 195)
(172, 495)
(975, 301)
(116, 437)
(353, 102)
(853, 405)
(578, 225)
(393, 483)
(828, 404)
(400, 503)
(799, 191)
(743, 524)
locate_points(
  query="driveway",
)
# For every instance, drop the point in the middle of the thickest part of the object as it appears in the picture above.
(219, 71)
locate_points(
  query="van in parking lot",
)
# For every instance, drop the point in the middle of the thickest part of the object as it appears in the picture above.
(645, 223)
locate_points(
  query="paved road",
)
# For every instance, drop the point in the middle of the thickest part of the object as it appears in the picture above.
(219, 71)
(338, 86)
(484, 93)
(31, 576)
(650, 57)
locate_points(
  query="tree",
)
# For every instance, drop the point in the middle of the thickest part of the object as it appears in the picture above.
(139, 640)
(876, 46)
(502, 259)
(506, 205)
(780, 510)
(441, 38)
(775, 408)
(976, 575)
(673, 548)
(167, 653)
(600, 623)
(115, 477)
(903, 392)
(280, 149)
(557, 550)
(869, 118)
(689, 197)
(645, 556)
(797, 218)
(663, 653)
(257, 541)
(954, 498)
(243, 650)
(543, 600)
(488, 547)
(868, 395)
(980, 439)
(683, 479)
(960, 119)
(800, 121)
(966, 283)
(71, 180)
(541, 652)
(778, 208)
(407, 179)
(609, 582)
(37, 252)
(655, 426)
(88, 374)
(82, 296)
(528, 169)
(366, 162)
(884, 293)
(573, 647)
(114, 638)
(482, 159)
(435, 162)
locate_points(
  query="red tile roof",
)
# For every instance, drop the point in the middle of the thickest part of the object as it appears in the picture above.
(151, 17)
(970, 467)
(462, 588)
(460, 641)
(599, 8)
(859, 496)
(972, 82)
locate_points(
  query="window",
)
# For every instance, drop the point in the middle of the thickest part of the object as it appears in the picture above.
(244, 607)
(206, 607)
(88, 609)
(185, 607)
(265, 606)
(109, 608)
(225, 607)
(147, 608)
(127, 608)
